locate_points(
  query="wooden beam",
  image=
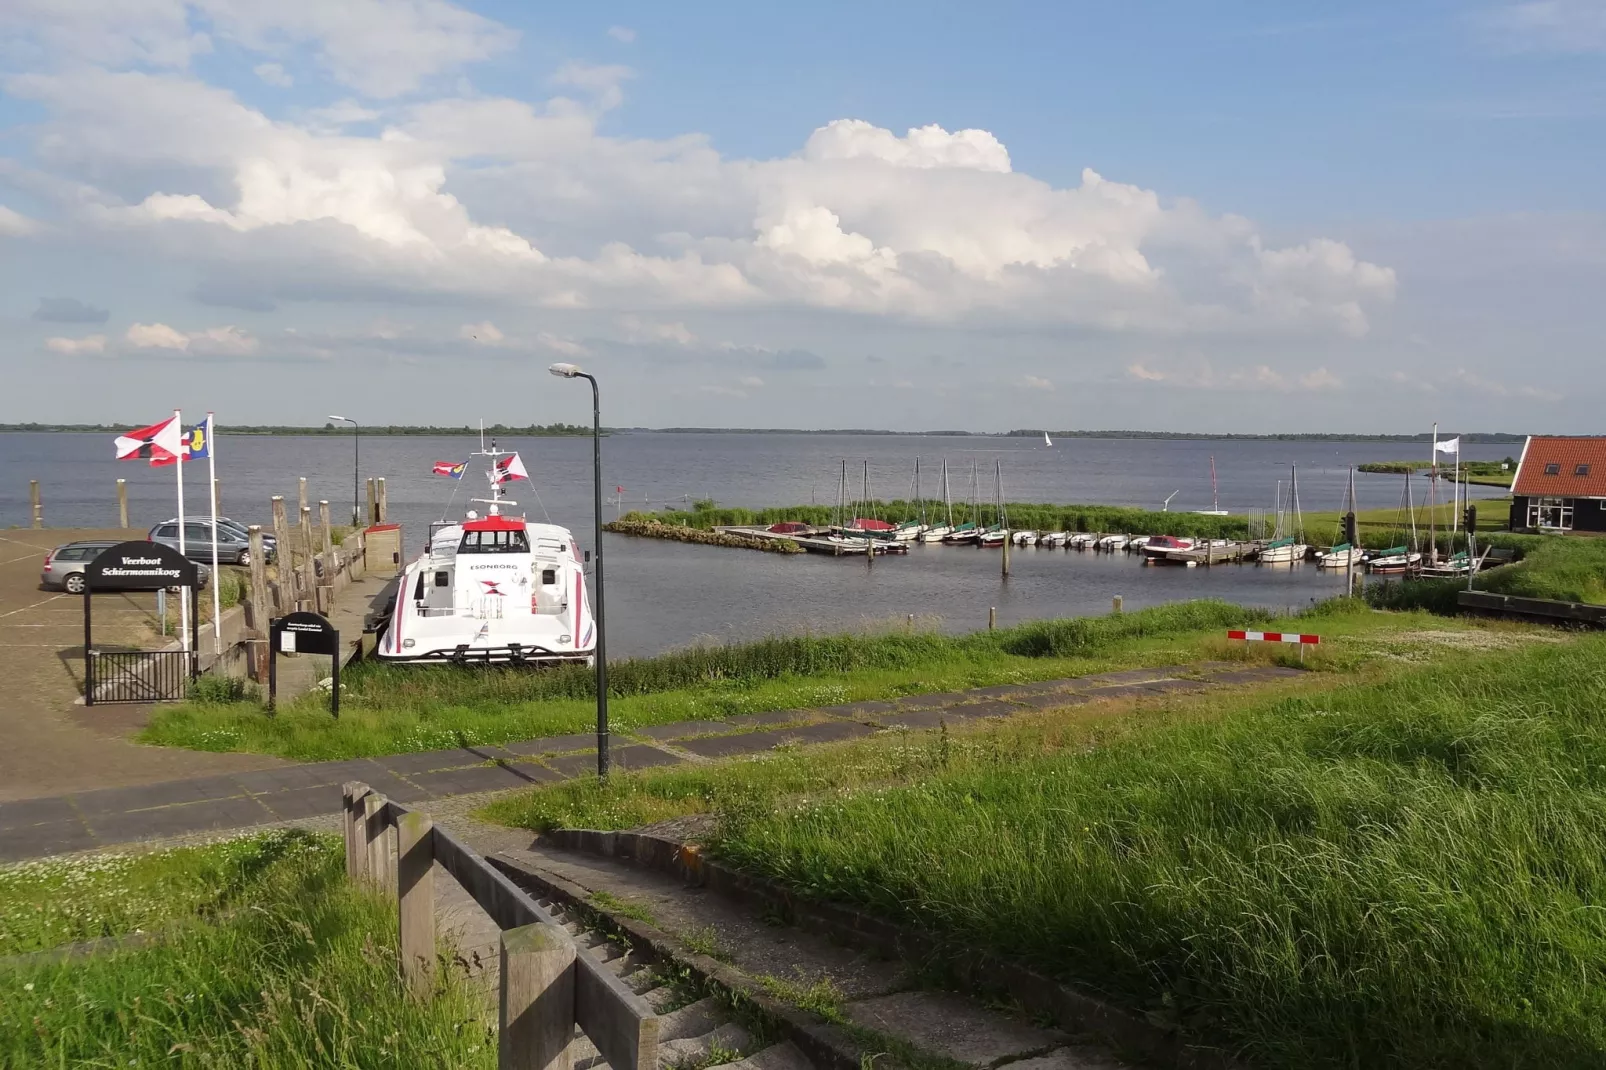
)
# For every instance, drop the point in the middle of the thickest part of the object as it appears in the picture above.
(537, 1004)
(415, 889)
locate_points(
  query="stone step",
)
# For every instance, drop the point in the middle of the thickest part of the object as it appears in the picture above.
(729, 1037)
(784, 1056)
(658, 997)
(692, 1020)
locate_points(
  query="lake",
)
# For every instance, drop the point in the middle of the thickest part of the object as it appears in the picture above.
(663, 595)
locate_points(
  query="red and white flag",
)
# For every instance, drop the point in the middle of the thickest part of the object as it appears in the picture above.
(509, 469)
(158, 442)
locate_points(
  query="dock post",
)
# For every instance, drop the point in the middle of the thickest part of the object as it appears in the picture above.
(1008, 538)
(122, 503)
(1115, 604)
(326, 590)
(33, 500)
(992, 617)
(284, 600)
(373, 513)
(256, 618)
(380, 484)
(309, 575)
(301, 493)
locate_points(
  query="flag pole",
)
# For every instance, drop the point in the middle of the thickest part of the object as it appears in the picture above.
(217, 594)
(183, 599)
(1455, 495)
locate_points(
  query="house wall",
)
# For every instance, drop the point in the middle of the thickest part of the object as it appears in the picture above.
(1587, 514)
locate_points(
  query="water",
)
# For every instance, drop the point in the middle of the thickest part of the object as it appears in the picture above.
(662, 595)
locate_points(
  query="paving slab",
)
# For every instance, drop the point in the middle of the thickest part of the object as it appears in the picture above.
(915, 719)
(1120, 691)
(116, 800)
(1071, 1057)
(641, 756)
(943, 698)
(729, 746)
(682, 729)
(1255, 676)
(947, 1025)
(475, 778)
(554, 744)
(1050, 700)
(825, 732)
(1171, 687)
(134, 825)
(772, 717)
(28, 812)
(49, 838)
(316, 774)
(297, 803)
(858, 711)
(430, 760)
(1125, 676)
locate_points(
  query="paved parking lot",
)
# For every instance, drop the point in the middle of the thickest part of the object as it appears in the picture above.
(49, 745)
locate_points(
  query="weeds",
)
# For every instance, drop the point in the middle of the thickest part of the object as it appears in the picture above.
(624, 908)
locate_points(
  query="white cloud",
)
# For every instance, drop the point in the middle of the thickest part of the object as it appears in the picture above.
(14, 223)
(622, 34)
(751, 381)
(94, 343)
(485, 333)
(925, 146)
(1034, 382)
(566, 346)
(1144, 374)
(1201, 375)
(1320, 379)
(155, 336)
(273, 74)
(1550, 25)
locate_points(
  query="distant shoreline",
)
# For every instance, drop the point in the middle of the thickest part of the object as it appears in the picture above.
(573, 430)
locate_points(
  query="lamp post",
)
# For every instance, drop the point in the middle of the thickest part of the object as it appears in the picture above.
(571, 371)
(356, 466)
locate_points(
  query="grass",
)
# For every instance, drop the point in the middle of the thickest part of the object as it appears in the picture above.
(389, 709)
(303, 974)
(1565, 569)
(1403, 874)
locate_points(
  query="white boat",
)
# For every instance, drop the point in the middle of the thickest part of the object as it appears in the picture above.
(940, 532)
(1113, 543)
(1024, 538)
(936, 534)
(993, 537)
(1046, 440)
(1051, 538)
(1284, 551)
(493, 589)
(1394, 560)
(1284, 548)
(1160, 547)
(1341, 556)
(1137, 542)
(1080, 540)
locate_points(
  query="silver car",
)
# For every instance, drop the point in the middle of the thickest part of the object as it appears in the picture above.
(233, 541)
(64, 566)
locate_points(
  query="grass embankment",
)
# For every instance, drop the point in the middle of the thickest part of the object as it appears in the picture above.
(390, 709)
(1481, 473)
(269, 959)
(1401, 873)
(1564, 569)
(635, 524)
(1023, 516)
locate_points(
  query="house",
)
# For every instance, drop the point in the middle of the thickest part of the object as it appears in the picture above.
(1560, 484)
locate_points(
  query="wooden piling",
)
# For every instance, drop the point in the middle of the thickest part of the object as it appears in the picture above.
(309, 575)
(326, 590)
(537, 1006)
(33, 500)
(285, 595)
(415, 887)
(383, 510)
(373, 503)
(122, 503)
(301, 494)
(1008, 539)
(1115, 604)
(378, 835)
(256, 610)
(992, 617)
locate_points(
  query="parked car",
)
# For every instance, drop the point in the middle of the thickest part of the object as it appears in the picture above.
(233, 545)
(270, 542)
(64, 566)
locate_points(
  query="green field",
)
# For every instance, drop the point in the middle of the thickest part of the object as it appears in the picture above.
(1403, 872)
(265, 958)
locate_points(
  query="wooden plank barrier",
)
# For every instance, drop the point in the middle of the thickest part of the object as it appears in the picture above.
(549, 984)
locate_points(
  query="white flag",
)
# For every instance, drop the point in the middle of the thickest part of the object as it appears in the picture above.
(1449, 445)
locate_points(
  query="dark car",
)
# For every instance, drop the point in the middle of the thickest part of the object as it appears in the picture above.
(233, 548)
(64, 566)
(230, 531)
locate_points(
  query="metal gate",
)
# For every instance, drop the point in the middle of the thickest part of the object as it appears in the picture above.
(137, 676)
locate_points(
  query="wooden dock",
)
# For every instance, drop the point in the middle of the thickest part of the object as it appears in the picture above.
(1225, 553)
(816, 542)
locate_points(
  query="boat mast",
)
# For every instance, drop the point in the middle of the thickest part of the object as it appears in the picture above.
(1299, 517)
(867, 507)
(947, 500)
(1410, 509)
(1433, 500)
(1349, 554)
(1215, 495)
(918, 499)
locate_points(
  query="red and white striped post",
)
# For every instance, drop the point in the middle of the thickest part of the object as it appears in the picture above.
(1300, 638)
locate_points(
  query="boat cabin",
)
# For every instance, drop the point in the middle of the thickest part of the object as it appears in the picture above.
(1560, 484)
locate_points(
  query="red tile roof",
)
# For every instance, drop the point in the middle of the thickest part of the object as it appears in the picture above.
(1566, 454)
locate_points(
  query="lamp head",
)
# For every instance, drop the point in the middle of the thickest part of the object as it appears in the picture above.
(340, 418)
(565, 371)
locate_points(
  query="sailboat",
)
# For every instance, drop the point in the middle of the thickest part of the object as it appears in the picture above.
(1284, 545)
(998, 534)
(1342, 554)
(1215, 498)
(1404, 558)
(911, 529)
(938, 532)
(1046, 440)
(868, 527)
(969, 531)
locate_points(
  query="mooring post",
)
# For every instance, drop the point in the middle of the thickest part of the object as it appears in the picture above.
(326, 590)
(373, 503)
(256, 610)
(285, 553)
(217, 493)
(537, 1005)
(1115, 606)
(380, 485)
(415, 890)
(33, 500)
(992, 617)
(122, 503)
(351, 794)
(301, 492)
(309, 578)
(377, 842)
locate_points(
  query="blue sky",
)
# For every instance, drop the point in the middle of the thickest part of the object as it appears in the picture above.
(1347, 220)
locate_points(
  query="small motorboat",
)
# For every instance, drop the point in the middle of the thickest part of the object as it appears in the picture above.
(993, 537)
(1024, 538)
(1137, 542)
(1051, 539)
(1080, 540)
(1113, 543)
(1158, 548)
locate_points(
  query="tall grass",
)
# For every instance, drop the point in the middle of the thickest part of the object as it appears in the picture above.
(303, 974)
(1404, 874)
(1569, 569)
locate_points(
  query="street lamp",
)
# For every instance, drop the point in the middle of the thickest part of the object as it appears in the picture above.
(572, 371)
(356, 465)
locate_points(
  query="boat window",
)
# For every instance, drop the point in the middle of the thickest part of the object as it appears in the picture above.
(1581, 470)
(443, 578)
(1552, 469)
(550, 575)
(418, 589)
(494, 542)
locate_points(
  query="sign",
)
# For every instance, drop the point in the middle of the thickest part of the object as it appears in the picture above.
(303, 633)
(140, 566)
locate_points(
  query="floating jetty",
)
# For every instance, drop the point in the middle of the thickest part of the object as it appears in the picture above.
(1213, 554)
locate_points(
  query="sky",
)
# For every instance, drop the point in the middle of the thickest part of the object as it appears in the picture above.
(1234, 217)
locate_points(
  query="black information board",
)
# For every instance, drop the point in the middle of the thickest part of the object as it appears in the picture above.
(303, 633)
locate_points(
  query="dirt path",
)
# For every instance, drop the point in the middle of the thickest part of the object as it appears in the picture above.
(51, 746)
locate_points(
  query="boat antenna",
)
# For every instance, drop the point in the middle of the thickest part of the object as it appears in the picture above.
(1215, 496)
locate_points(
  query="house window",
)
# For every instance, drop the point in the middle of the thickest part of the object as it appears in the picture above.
(1581, 470)
(1552, 469)
(1554, 513)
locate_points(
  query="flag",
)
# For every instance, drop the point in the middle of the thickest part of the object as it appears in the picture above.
(165, 439)
(197, 446)
(509, 469)
(450, 468)
(1449, 445)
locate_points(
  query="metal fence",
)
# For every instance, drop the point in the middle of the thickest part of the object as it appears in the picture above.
(137, 676)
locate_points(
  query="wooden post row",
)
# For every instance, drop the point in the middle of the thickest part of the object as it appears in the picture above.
(301, 495)
(373, 503)
(286, 599)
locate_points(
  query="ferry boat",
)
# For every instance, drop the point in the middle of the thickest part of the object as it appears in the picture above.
(493, 589)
